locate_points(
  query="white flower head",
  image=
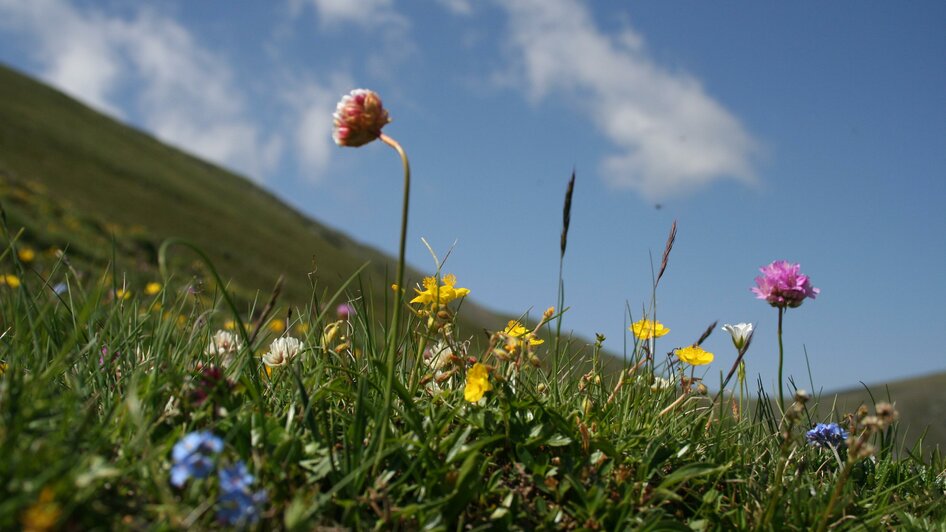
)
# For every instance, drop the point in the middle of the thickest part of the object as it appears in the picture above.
(224, 344)
(740, 333)
(439, 356)
(282, 350)
(661, 383)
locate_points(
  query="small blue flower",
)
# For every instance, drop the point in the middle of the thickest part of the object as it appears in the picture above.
(826, 435)
(191, 456)
(238, 505)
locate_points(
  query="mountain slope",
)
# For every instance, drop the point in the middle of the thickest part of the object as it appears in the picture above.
(72, 176)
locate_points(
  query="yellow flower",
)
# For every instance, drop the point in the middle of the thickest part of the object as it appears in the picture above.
(122, 294)
(26, 254)
(3, 368)
(10, 280)
(152, 288)
(694, 355)
(518, 335)
(42, 514)
(646, 329)
(477, 383)
(277, 326)
(230, 325)
(432, 293)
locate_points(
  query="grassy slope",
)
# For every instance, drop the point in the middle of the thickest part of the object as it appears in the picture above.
(73, 176)
(919, 401)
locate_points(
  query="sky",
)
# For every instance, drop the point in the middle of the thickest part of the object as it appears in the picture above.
(811, 132)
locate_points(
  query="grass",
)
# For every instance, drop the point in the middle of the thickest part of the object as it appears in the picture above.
(97, 390)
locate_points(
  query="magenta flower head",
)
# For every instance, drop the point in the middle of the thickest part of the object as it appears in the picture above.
(782, 285)
(345, 311)
(359, 118)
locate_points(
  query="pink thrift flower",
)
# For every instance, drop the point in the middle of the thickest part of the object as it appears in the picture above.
(782, 285)
(344, 311)
(359, 118)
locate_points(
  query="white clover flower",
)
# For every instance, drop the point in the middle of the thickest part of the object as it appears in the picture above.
(282, 350)
(661, 383)
(439, 356)
(224, 345)
(740, 333)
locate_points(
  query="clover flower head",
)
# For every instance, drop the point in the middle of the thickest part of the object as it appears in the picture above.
(238, 504)
(694, 355)
(477, 383)
(826, 435)
(192, 456)
(224, 344)
(740, 333)
(439, 356)
(783, 285)
(646, 329)
(358, 119)
(282, 350)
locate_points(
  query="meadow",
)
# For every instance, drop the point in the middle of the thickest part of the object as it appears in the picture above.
(156, 398)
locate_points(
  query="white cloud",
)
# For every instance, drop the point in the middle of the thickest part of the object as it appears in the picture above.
(365, 13)
(185, 94)
(312, 106)
(671, 136)
(457, 7)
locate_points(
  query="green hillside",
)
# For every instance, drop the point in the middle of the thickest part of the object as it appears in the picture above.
(919, 401)
(75, 178)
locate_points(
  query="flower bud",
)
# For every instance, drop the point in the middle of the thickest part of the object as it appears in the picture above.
(358, 119)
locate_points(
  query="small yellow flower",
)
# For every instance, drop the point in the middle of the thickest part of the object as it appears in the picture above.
(277, 326)
(517, 336)
(122, 294)
(3, 368)
(432, 293)
(42, 514)
(646, 329)
(477, 383)
(152, 288)
(26, 254)
(10, 280)
(230, 325)
(694, 355)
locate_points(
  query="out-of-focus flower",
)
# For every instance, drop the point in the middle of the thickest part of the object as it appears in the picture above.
(238, 504)
(212, 383)
(826, 435)
(518, 337)
(694, 355)
(345, 311)
(477, 383)
(43, 514)
(10, 280)
(60, 288)
(439, 356)
(646, 329)
(443, 294)
(26, 254)
(224, 345)
(359, 118)
(122, 294)
(282, 350)
(192, 456)
(230, 325)
(3, 368)
(152, 288)
(277, 326)
(660, 383)
(740, 333)
(782, 285)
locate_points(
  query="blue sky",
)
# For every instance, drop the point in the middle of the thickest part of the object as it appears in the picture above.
(810, 132)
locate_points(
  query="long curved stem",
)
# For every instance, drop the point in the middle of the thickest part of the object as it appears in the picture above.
(781, 394)
(390, 347)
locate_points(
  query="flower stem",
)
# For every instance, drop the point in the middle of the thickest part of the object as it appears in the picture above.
(781, 351)
(390, 348)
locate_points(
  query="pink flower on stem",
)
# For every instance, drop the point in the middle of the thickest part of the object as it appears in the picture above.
(359, 118)
(344, 311)
(782, 285)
